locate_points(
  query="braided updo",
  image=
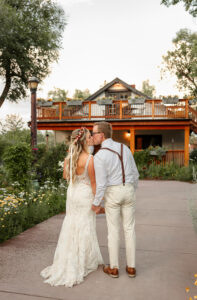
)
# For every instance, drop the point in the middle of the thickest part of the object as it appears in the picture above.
(77, 144)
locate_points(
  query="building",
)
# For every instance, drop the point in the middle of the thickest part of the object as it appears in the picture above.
(137, 120)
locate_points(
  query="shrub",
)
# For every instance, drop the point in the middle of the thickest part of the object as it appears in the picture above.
(3, 145)
(17, 160)
(184, 174)
(193, 156)
(142, 158)
(47, 163)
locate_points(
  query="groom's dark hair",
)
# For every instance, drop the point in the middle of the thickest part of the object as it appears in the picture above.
(106, 128)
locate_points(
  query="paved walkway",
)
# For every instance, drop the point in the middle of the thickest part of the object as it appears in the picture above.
(166, 253)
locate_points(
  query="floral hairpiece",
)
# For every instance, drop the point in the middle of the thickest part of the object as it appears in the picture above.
(78, 137)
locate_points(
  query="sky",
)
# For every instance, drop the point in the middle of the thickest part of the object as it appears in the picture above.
(105, 39)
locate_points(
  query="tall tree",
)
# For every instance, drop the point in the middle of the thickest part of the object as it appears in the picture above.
(12, 131)
(58, 94)
(148, 89)
(12, 123)
(190, 5)
(30, 37)
(182, 61)
(81, 94)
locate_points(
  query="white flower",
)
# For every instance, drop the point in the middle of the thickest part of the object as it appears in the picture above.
(61, 164)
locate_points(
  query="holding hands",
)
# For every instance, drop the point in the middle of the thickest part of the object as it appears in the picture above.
(98, 209)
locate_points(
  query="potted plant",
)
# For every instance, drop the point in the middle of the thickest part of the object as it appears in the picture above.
(105, 101)
(40, 101)
(43, 102)
(47, 103)
(74, 102)
(171, 100)
(157, 151)
(137, 101)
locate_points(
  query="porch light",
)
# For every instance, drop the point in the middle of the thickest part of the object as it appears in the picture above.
(128, 134)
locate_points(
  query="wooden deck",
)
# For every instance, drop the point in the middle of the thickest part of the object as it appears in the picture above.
(151, 115)
(151, 109)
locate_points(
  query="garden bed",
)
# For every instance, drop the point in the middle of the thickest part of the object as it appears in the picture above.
(20, 210)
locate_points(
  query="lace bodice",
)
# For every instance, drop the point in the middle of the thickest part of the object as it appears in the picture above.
(84, 177)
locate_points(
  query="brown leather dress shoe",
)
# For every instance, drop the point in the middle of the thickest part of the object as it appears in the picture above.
(111, 272)
(131, 271)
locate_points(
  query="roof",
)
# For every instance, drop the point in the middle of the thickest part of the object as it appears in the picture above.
(117, 80)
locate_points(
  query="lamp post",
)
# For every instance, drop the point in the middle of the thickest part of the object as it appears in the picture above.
(33, 83)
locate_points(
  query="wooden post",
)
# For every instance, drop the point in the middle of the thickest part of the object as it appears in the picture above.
(186, 148)
(60, 110)
(186, 108)
(153, 108)
(89, 109)
(120, 109)
(132, 140)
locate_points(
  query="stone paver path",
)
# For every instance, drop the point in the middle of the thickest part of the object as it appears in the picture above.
(166, 253)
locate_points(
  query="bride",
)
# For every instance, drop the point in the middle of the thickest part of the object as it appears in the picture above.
(77, 253)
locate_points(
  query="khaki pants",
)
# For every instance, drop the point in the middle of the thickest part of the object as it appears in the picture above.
(120, 203)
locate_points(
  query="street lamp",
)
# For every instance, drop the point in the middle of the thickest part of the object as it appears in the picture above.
(33, 83)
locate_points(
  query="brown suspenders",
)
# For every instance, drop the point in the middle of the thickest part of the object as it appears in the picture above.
(121, 160)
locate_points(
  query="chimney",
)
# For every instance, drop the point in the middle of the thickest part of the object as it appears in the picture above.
(133, 86)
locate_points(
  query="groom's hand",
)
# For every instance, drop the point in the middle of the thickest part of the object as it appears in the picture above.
(96, 209)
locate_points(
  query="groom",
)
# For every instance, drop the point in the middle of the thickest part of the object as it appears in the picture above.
(116, 181)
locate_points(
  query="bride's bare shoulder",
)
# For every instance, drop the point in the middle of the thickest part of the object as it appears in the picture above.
(82, 158)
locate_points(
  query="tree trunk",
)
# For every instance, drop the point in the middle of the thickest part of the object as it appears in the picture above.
(5, 90)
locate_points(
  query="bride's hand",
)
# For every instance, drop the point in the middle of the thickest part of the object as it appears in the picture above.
(96, 209)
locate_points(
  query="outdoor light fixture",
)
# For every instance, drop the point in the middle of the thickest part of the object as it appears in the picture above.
(33, 83)
(128, 133)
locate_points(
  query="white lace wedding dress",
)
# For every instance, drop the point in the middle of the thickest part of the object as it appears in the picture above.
(77, 253)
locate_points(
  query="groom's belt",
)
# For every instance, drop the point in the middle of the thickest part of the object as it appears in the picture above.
(121, 160)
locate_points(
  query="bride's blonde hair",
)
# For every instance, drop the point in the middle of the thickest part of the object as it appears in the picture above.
(78, 144)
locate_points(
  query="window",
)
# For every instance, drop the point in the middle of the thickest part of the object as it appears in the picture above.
(118, 95)
(144, 141)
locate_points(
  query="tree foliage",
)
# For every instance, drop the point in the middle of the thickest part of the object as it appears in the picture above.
(30, 37)
(79, 94)
(182, 61)
(12, 131)
(58, 94)
(190, 5)
(47, 162)
(17, 160)
(193, 156)
(148, 89)
(12, 123)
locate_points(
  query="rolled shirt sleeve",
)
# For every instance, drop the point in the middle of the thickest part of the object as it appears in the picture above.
(101, 179)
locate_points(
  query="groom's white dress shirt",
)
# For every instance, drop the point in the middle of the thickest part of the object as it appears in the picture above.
(108, 169)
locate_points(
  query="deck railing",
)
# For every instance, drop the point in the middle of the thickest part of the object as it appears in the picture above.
(193, 114)
(171, 156)
(90, 110)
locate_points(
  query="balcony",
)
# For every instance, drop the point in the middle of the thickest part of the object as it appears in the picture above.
(118, 110)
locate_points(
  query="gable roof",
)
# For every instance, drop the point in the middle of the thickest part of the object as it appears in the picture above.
(117, 80)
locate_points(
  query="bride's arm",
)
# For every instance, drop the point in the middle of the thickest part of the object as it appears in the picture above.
(64, 169)
(91, 173)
